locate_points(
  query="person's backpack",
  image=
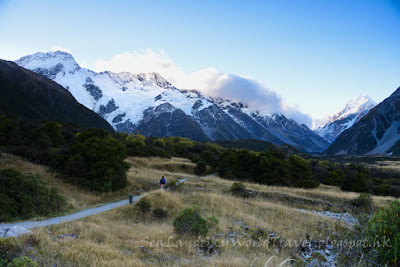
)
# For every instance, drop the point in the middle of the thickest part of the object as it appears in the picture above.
(163, 181)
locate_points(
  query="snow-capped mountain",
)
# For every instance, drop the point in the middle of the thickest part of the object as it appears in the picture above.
(377, 133)
(147, 103)
(346, 118)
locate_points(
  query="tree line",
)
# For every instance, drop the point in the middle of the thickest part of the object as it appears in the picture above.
(94, 158)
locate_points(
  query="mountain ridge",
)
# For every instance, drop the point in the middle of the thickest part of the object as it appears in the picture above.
(125, 100)
(377, 133)
(352, 112)
(30, 95)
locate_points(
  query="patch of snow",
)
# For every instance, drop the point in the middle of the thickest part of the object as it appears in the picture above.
(353, 111)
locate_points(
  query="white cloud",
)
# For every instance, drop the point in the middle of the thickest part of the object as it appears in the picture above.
(59, 48)
(209, 81)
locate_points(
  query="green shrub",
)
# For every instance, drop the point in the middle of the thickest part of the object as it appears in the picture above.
(357, 183)
(174, 185)
(238, 188)
(200, 168)
(301, 175)
(8, 208)
(97, 159)
(213, 223)
(335, 178)
(386, 224)
(22, 262)
(26, 195)
(144, 205)
(160, 213)
(259, 234)
(189, 221)
(10, 249)
(364, 202)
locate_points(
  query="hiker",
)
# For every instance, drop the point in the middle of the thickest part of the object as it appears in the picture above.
(163, 182)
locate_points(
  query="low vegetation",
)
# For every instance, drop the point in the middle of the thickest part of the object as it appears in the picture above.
(190, 221)
(128, 236)
(23, 196)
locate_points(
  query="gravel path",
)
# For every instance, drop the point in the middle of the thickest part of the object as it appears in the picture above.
(70, 217)
(81, 214)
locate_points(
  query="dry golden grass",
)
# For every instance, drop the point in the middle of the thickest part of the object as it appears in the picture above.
(114, 238)
(144, 173)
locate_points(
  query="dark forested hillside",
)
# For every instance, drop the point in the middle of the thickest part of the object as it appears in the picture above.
(32, 96)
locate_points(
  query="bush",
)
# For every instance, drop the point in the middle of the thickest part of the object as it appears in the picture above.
(386, 224)
(301, 175)
(160, 213)
(144, 205)
(213, 223)
(200, 168)
(22, 262)
(26, 195)
(363, 202)
(357, 183)
(10, 249)
(238, 188)
(189, 221)
(173, 185)
(335, 178)
(97, 159)
(258, 234)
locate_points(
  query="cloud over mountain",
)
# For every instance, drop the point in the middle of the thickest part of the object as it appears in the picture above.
(209, 81)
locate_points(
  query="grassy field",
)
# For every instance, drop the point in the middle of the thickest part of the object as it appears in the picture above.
(115, 238)
(144, 175)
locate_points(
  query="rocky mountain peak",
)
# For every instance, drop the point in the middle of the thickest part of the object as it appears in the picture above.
(352, 112)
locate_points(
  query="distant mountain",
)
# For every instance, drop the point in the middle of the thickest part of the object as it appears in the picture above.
(30, 95)
(147, 103)
(377, 133)
(346, 118)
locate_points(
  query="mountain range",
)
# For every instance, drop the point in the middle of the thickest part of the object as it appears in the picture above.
(149, 104)
(346, 118)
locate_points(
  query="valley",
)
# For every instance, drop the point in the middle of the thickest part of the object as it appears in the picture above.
(127, 237)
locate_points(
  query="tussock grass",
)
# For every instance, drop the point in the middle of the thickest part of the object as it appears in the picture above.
(114, 238)
(145, 173)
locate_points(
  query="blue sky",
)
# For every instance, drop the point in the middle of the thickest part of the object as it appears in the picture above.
(315, 55)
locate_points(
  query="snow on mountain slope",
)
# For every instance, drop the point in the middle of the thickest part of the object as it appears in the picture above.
(377, 133)
(150, 104)
(346, 118)
(110, 93)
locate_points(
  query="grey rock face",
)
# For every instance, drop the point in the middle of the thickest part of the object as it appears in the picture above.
(166, 120)
(126, 127)
(93, 90)
(118, 118)
(217, 125)
(52, 72)
(110, 107)
(289, 132)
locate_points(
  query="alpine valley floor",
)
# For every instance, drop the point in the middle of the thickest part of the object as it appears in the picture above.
(126, 237)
